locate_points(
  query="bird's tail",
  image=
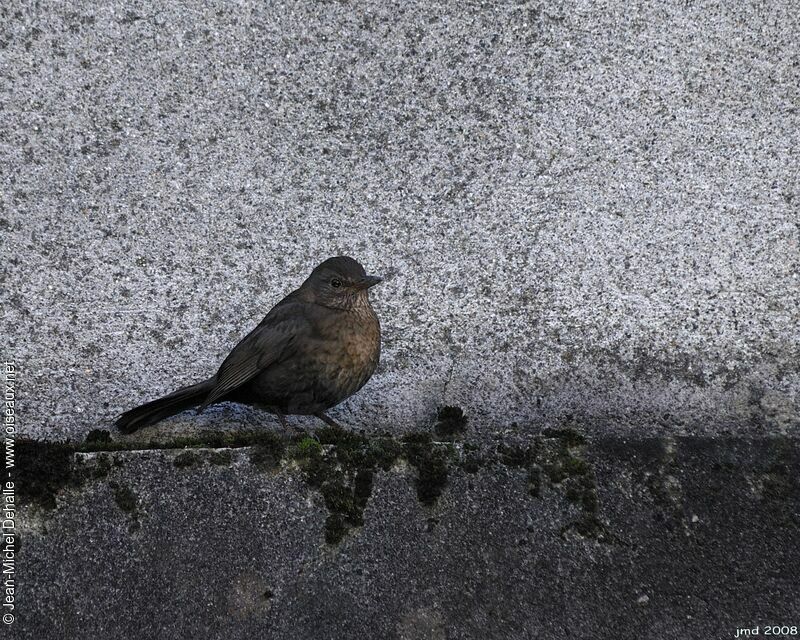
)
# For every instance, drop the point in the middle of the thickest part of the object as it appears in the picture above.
(152, 412)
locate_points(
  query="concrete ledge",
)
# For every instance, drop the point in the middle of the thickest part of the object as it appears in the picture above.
(551, 536)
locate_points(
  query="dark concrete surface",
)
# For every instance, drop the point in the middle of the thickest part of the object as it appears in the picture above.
(545, 537)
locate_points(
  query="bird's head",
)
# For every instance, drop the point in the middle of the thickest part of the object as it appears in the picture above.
(340, 283)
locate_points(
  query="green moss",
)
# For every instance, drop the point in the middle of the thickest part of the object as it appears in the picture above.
(98, 437)
(451, 422)
(473, 459)
(422, 438)
(588, 526)
(317, 467)
(186, 460)
(124, 497)
(203, 440)
(43, 469)
(362, 487)
(353, 450)
(220, 458)
(335, 528)
(338, 497)
(95, 469)
(268, 452)
(341, 465)
(558, 457)
(334, 482)
(339, 437)
(264, 458)
(555, 472)
(535, 481)
(343, 471)
(590, 502)
(574, 491)
(514, 455)
(574, 466)
(308, 446)
(383, 453)
(431, 464)
(228, 440)
(570, 437)
(472, 462)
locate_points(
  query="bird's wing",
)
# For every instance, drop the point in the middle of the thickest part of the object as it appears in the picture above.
(271, 341)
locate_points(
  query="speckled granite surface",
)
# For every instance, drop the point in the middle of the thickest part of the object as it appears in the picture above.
(586, 209)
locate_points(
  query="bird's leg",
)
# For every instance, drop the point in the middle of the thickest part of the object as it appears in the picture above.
(285, 424)
(282, 419)
(274, 410)
(328, 420)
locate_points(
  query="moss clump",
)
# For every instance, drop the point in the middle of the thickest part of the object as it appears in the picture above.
(341, 465)
(581, 491)
(515, 455)
(264, 458)
(336, 485)
(362, 488)
(562, 463)
(357, 451)
(343, 472)
(204, 440)
(451, 422)
(267, 454)
(338, 498)
(220, 458)
(336, 528)
(101, 468)
(46, 468)
(227, 440)
(573, 466)
(565, 466)
(588, 526)
(124, 497)
(186, 460)
(350, 447)
(473, 459)
(570, 437)
(43, 469)
(431, 464)
(98, 438)
(535, 481)
(308, 446)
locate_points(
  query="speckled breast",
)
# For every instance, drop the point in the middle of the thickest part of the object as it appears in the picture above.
(349, 354)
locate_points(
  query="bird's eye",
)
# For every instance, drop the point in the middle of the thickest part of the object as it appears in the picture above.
(336, 283)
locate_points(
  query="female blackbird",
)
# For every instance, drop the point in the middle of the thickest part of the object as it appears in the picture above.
(316, 347)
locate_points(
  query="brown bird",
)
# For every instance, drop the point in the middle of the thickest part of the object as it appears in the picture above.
(316, 347)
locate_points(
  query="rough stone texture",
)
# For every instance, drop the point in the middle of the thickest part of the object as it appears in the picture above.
(586, 209)
(698, 538)
(587, 213)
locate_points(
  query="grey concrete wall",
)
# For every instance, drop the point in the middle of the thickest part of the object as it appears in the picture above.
(585, 209)
(642, 539)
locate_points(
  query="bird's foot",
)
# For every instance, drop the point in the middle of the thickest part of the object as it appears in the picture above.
(328, 420)
(282, 419)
